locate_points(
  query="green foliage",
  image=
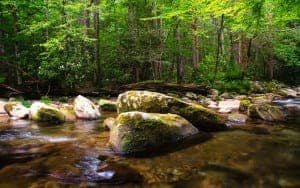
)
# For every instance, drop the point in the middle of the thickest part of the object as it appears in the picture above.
(64, 99)
(26, 103)
(238, 86)
(1, 79)
(46, 99)
(62, 43)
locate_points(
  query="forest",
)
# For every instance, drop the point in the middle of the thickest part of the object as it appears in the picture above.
(149, 93)
(68, 44)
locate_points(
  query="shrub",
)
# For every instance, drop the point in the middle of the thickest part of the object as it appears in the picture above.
(26, 103)
(46, 99)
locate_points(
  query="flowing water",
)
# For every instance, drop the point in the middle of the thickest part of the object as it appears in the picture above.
(78, 155)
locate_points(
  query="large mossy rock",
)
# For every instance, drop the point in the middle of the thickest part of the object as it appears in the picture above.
(139, 131)
(266, 112)
(152, 102)
(46, 113)
(85, 109)
(68, 111)
(16, 110)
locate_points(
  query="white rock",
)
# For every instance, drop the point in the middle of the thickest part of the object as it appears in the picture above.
(229, 105)
(85, 109)
(16, 110)
(2, 103)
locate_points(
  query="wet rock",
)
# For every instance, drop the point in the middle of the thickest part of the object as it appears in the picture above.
(226, 96)
(191, 95)
(292, 110)
(266, 112)
(2, 103)
(229, 105)
(107, 105)
(85, 109)
(288, 92)
(214, 92)
(138, 131)
(16, 110)
(261, 99)
(68, 111)
(152, 102)
(46, 113)
(237, 119)
(244, 105)
(240, 97)
(109, 122)
(213, 105)
(117, 173)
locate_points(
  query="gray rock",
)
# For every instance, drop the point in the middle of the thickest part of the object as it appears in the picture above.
(229, 105)
(153, 102)
(266, 112)
(85, 109)
(16, 110)
(138, 131)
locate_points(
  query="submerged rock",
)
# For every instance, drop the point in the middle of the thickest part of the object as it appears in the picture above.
(107, 105)
(138, 131)
(16, 110)
(152, 102)
(46, 113)
(85, 109)
(266, 112)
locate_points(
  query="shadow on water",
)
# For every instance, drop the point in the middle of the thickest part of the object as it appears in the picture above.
(171, 147)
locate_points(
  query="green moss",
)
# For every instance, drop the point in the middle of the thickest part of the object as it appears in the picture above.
(245, 103)
(107, 105)
(198, 115)
(50, 115)
(148, 133)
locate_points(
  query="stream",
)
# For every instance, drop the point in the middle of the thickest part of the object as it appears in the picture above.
(77, 154)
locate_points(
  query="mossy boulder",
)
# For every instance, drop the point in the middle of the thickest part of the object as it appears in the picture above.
(244, 105)
(68, 111)
(46, 113)
(85, 109)
(107, 105)
(152, 102)
(266, 112)
(139, 131)
(16, 110)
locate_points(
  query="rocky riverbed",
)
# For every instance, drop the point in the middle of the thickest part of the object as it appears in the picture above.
(253, 142)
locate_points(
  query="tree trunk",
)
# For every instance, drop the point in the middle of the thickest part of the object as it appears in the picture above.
(87, 22)
(240, 50)
(16, 45)
(219, 45)
(195, 44)
(97, 42)
(47, 19)
(179, 63)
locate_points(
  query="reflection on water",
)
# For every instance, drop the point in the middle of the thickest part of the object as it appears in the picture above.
(78, 154)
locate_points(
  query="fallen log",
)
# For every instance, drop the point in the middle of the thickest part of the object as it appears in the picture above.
(162, 87)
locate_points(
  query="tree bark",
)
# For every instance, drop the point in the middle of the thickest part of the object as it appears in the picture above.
(179, 62)
(195, 43)
(97, 41)
(16, 45)
(47, 19)
(219, 44)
